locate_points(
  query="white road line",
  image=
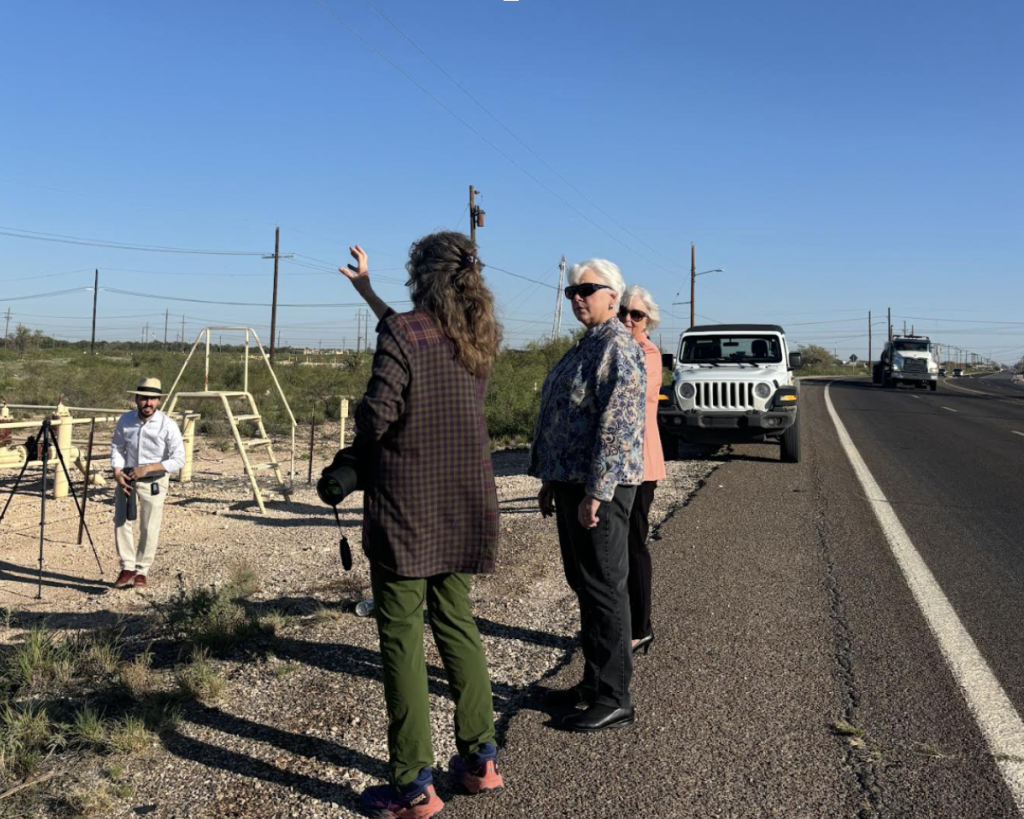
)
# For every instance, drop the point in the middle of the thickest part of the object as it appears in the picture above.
(951, 409)
(1016, 433)
(996, 717)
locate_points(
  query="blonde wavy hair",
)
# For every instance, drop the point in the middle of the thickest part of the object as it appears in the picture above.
(445, 281)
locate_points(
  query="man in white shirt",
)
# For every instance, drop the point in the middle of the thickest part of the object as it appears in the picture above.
(146, 448)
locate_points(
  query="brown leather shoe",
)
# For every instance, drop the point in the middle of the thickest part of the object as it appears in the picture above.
(124, 579)
(140, 581)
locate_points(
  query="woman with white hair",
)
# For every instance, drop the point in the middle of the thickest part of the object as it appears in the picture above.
(640, 314)
(588, 449)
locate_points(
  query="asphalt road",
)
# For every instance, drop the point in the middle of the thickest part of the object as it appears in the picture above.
(793, 673)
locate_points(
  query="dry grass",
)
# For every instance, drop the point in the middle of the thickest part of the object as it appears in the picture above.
(136, 677)
(199, 680)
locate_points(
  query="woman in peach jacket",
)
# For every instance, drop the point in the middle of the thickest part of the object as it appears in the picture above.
(639, 312)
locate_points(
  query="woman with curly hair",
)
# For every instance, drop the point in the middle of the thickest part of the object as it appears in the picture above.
(431, 513)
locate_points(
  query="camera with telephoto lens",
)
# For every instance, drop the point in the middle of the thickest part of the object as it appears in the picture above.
(344, 475)
(339, 480)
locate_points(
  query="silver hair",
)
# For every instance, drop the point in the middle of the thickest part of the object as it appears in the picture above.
(653, 313)
(607, 272)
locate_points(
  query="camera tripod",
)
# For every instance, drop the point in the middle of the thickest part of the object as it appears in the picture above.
(44, 440)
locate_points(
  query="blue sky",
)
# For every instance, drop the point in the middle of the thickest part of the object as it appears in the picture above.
(832, 158)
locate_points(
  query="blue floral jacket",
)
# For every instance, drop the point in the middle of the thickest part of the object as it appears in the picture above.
(590, 429)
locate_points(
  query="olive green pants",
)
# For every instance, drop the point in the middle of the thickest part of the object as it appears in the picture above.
(398, 606)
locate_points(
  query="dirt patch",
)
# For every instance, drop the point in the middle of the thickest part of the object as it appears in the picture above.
(299, 728)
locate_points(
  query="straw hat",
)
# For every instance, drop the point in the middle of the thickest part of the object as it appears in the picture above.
(148, 386)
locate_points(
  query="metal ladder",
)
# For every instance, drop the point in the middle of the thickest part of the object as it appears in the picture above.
(244, 445)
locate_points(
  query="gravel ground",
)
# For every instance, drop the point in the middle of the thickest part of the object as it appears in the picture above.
(300, 728)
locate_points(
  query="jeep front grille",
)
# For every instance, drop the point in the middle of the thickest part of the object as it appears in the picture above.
(724, 395)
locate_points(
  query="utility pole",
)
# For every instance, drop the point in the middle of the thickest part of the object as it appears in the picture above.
(183, 332)
(693, 284)
(7, 326)
(476, 214)
(273, 308)
(556, 329)
(95, 293)
(167, 315)
(888, 321)
(869, 340)
(359, 329)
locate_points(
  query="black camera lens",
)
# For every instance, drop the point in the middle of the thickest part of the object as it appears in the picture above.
(330, 491)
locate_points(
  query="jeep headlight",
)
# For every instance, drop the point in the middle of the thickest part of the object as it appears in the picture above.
(763, 390)
(687, 391)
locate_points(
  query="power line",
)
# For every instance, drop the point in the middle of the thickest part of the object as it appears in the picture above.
(484, 139)
(45, 295)
(519, 276)
(232, 303)
(20, 233)
(515, 136)
(46, 275)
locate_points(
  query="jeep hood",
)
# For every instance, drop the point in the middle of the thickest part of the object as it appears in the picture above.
(729, 372)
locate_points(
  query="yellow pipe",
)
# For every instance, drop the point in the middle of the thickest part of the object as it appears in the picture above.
(60, 480)
(189, 438)
(13, 458)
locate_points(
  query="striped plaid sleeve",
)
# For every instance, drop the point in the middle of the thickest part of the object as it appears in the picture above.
(384, 401)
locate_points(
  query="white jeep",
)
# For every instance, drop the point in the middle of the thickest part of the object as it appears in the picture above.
(732, 383)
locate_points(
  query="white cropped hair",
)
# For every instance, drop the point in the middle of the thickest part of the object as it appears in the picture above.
(607, 272)
(653, 313)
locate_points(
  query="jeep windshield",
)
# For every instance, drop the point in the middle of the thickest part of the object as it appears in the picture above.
(906, 346)
(737, 349)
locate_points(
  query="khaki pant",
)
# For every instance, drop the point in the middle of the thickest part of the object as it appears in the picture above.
(151, 513)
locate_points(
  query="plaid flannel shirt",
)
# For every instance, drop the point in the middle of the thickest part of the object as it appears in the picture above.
(433, 507)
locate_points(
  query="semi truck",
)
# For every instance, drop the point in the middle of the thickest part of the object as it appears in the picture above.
(907, 360)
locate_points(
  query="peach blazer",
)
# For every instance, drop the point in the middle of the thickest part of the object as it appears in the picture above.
(654, 458)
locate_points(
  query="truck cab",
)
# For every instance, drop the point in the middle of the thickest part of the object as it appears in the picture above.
(732, 383)
(907, 359)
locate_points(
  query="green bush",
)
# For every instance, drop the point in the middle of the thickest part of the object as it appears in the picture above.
(42, 376)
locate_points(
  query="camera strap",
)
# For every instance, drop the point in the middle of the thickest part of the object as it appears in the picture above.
(343, 547)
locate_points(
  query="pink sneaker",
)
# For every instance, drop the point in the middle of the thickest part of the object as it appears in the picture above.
(475, 778)
(387, 802)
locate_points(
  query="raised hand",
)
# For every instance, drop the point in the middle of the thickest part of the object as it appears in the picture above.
(358, 274)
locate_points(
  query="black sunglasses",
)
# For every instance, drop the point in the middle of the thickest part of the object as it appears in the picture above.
(636, 315)
(584, 290)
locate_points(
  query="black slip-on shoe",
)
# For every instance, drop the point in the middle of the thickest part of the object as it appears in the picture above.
(598, 718)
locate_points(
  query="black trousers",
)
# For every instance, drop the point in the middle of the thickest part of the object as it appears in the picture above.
(640, 560)
(597, 568)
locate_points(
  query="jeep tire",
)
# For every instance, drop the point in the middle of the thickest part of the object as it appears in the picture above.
(791, 443)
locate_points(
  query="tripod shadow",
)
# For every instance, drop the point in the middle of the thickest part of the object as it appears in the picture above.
(13, 573)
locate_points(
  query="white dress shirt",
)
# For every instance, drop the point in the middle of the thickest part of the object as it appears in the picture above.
(157, 440)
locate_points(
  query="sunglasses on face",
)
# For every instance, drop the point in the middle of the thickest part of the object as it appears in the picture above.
(584, 290)
(636, 315)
